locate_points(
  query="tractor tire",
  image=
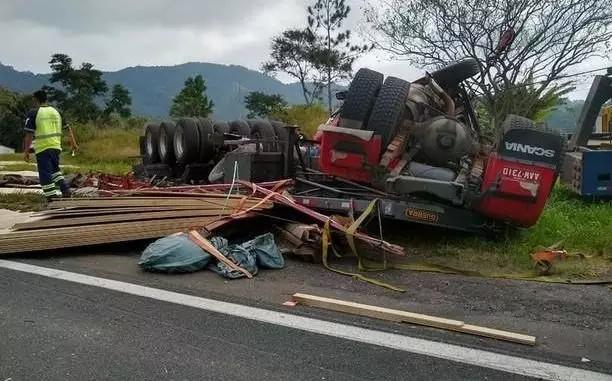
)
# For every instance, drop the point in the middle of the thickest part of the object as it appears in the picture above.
(186, 141)
(166, 142)
(279, 129)
(240, 127)
(282, 135)
(360, 98)
(151, 146)
(263, 130)
(515, 121)
(452, 75)
(221, 127)
(206, 131)
(389, 109)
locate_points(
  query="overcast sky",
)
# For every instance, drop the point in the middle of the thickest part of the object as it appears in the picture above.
(113, 34)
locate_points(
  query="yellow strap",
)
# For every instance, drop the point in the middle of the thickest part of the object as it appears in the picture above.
(361, 262)
(430, 267)
(326, 240)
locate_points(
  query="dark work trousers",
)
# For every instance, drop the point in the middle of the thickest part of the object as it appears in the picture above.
(50, 175)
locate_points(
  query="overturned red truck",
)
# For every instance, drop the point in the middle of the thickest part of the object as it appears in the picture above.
(415, 147)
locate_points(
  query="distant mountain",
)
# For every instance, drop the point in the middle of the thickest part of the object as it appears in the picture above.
(565, 116)
(152, 88)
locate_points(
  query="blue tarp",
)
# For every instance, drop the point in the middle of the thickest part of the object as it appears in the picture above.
(174, 254)
(178, 253)
(251, 255)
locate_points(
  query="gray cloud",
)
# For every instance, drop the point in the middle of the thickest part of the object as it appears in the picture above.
(113, 34)
(86, 16)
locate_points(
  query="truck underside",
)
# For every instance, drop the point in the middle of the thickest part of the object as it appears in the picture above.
(413, 148)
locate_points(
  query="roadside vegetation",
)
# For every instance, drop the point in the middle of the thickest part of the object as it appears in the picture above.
(103, 147)
(583, 228)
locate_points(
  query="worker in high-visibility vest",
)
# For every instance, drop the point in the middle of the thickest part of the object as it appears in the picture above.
(44, 126)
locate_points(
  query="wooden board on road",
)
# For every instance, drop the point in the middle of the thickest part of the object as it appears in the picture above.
(410, 317)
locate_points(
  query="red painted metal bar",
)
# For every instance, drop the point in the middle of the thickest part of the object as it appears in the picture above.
(282, 199)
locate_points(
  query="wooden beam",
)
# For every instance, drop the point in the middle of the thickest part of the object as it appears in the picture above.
(123, 217)
(99, 228)
(212, 250)
(98, 234)
(410, 317)
(156, 201)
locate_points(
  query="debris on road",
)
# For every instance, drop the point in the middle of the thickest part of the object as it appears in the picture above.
(545, 259)
(192, 252)
(410, 317)
(90, 221)
(173, 254)
(302, 240)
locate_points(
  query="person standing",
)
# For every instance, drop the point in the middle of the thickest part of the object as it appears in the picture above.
(44, 126)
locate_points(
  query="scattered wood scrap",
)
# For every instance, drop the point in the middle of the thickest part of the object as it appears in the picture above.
(90, 221)
(212, 250)
(410, 317)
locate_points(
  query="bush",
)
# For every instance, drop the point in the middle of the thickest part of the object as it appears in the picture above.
(307, 118)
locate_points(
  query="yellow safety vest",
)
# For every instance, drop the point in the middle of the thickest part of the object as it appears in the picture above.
(48, 129)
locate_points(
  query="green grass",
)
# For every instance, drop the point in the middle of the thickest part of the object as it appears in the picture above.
(24, 202)
(107, 150)
(581, 227)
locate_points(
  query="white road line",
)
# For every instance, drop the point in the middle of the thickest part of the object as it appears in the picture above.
(466, 355)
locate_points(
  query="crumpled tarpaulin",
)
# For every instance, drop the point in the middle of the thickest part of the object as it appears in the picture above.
(260, 252)
(177, 253)
(174, 254)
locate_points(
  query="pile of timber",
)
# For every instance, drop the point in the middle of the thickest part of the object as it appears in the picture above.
(91, 221)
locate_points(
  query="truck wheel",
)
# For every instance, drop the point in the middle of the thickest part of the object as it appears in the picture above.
(280, 130)
(186, 141)
(263, 130)
(452, 75)
(221, 127)
(206, 130)
(166, 142)
(389, 109)
(151, 147)
(360, 98)
(282, 135)
(240, 127)
(515, 122)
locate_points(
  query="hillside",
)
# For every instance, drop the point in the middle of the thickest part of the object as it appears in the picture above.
(152, 88)
(565, 117)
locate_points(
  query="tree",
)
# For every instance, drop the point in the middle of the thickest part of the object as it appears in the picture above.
(292, 53)
(119, 102)
(543, 41)
(333, 53)
(263, 105)
(79, 88)
(192, 100)
(13, 110)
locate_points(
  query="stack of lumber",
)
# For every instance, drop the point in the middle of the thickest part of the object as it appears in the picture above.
(91, 221)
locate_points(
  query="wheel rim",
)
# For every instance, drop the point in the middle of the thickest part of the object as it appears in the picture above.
(163, 141)
(178, 143)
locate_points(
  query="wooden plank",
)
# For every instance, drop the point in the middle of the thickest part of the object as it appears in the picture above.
(101, 228)
(126, 232)
(123, 217)
(71, 213)
(212, 250)
(410, 317)
(157, 202)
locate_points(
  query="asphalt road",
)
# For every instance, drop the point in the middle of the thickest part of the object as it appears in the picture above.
(57, 330)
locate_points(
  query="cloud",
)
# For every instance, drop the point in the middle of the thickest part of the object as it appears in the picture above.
(114, 34)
